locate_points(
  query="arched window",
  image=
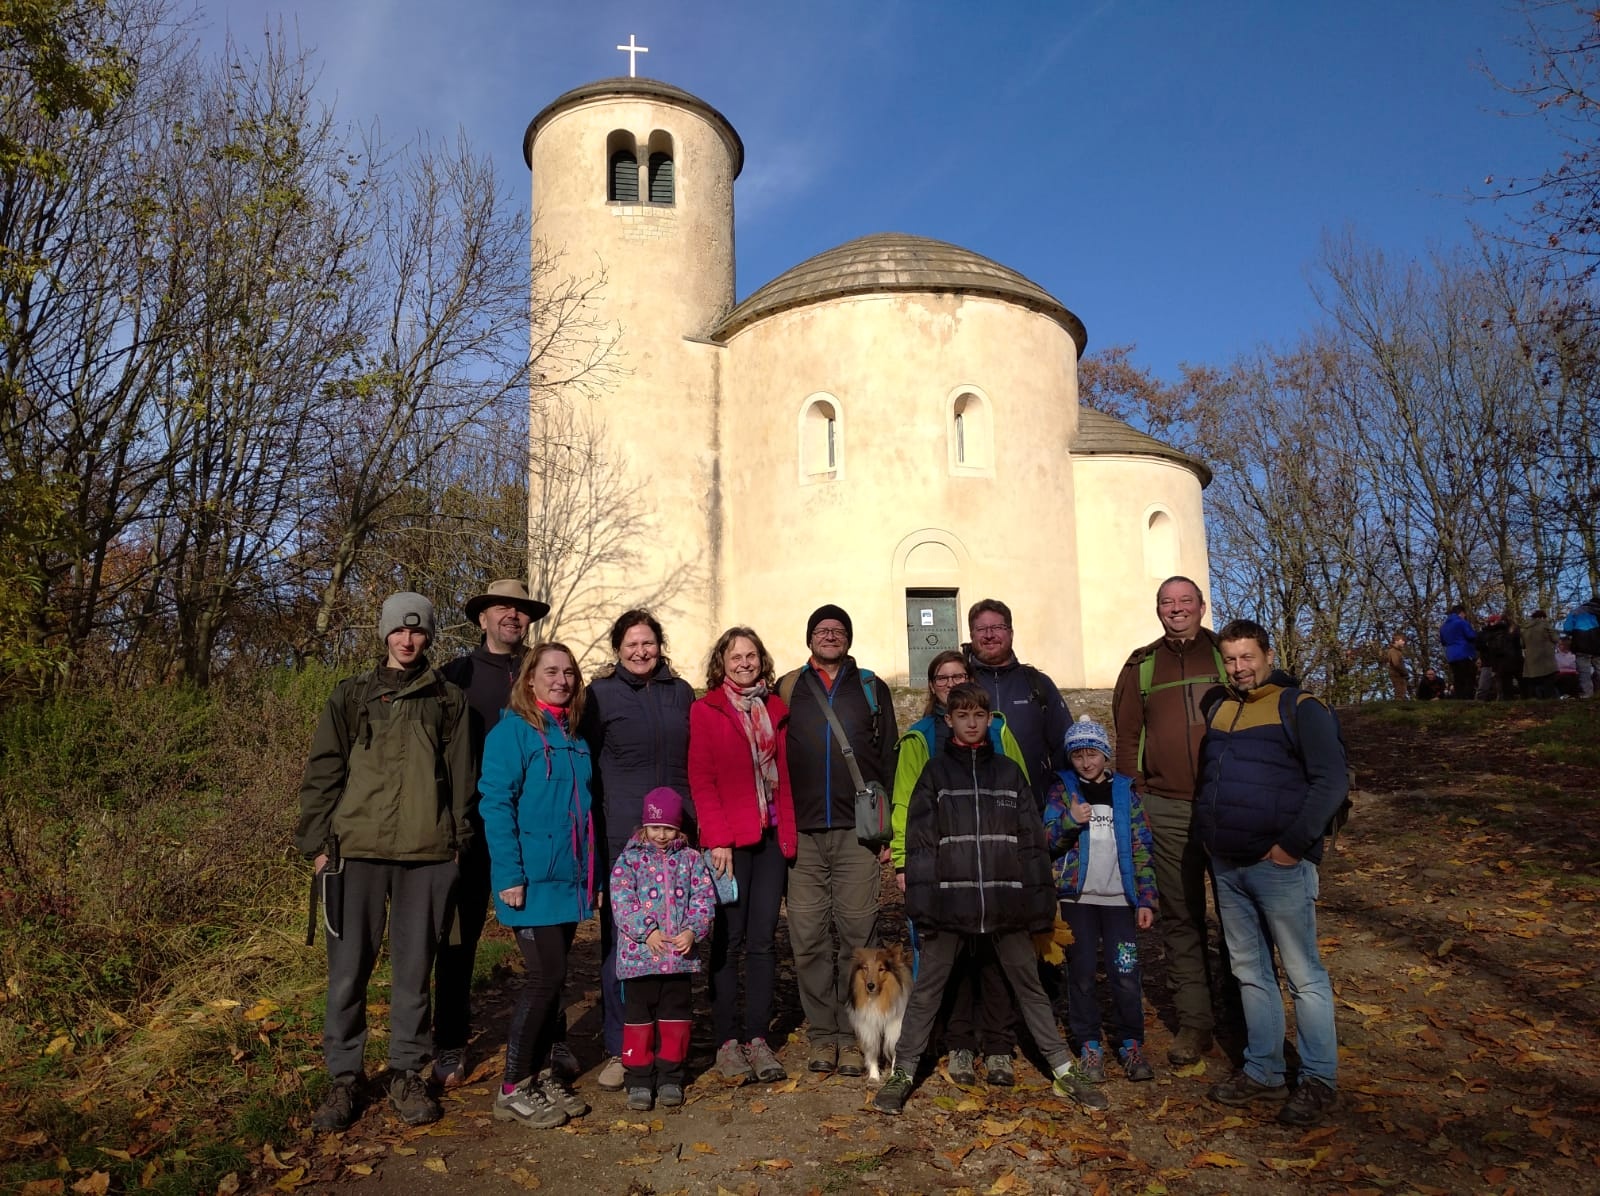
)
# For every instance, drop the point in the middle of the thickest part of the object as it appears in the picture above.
(821, 441)
(662, 171)
(624, 178)
(971, 434)
(622, 168)
(1160, 544)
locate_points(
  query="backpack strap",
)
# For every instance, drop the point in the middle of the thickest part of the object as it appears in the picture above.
(871, 693)
(786, 684)
(1147, 686)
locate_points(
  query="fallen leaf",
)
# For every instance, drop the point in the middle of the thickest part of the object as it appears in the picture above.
(789, 1087)
(702, 1148)
(291, 1180)
(224, 1003)
(775, 1164)
(260, 1010)
(526, 1178)
(1214, 1158)
(43, 1187)
(1004, 1184)
(1197, 1068)
(271, 1159)
(435, 1163)
(999, 1129)
(59, 1043)
(36, 1138)
(360, 1168)
(97, 1184)
(123, 1155)
(228, 1184)
(405, 1150)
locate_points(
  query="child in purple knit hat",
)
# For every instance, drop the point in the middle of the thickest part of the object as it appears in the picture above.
(662, 898)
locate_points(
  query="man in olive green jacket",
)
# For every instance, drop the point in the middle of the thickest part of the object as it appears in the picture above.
(388, 793)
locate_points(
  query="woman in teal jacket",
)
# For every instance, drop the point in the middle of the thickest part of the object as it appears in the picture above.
(536, 809)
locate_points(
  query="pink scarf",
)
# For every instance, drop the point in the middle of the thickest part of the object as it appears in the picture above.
(751, 703)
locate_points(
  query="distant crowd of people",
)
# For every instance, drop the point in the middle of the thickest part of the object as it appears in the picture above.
(1504, 660)
(504, 777)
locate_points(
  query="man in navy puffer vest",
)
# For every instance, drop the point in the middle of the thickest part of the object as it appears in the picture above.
(1267, 794)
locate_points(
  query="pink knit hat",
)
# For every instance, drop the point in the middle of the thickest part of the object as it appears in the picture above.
(663, 807)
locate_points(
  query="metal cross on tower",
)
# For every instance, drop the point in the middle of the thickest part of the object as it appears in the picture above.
(633, 50)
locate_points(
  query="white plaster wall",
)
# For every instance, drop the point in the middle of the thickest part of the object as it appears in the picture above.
(892, 363)
(669, 273)
(1115, 498)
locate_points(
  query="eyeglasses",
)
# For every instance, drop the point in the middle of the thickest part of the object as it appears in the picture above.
(948, 679)
(828, 633)
(991, 629)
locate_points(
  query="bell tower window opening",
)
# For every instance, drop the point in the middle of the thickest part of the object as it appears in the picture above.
(661, 168)
(622, 168)
(821, 440)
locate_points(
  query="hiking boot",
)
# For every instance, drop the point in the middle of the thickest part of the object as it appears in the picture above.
(564, 1063)
(1134, 1064)
(961, 1068)
(450, 1068)
(852, 1062)
(824, 1058)
(409, 1097)
(528, 1104)
(1243, 1089)
(669, 1096)
(557, 1092)
(1188, 1046)
(763, 1062)
(1307, 1104)
(611, 1076)
(895, 1092)
(1070, 1084)
(340, 1106)
(732, 1064)
(1092, 1063)
(641, 1100)
(998, 1071)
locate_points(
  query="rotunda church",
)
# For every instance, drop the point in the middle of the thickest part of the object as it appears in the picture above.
(892, 425)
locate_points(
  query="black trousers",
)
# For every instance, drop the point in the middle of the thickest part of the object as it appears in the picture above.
(536, 1017)
(655, 1034)
(982, 1017)
(746, 932)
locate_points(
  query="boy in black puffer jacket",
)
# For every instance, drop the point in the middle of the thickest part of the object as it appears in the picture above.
(976, 865)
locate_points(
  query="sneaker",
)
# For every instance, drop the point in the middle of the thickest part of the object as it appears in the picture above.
(1307, 1104)
(669, 1096)
(450, 1068)
(997, 1070)
(1134, 1064)
(528, 1104)
(1188, 1046)
(1070, 1084)
(409, 1097)
(564, 1063)
(852, 1062)
(562, 1097)
(824, 1058)
(611, 1076)
(340, 1106)
(961, 1068)
(1092, 1063)
(641, 1100)
(1243, 1089)
(895, 1092)
(732, 1064)
(763, 1062)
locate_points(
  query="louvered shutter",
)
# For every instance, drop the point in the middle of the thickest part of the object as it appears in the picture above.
(624, 178)
(660, 178)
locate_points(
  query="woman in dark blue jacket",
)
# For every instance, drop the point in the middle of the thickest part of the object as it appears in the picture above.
(636, 722)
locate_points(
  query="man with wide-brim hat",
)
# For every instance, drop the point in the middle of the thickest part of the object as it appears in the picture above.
(503, 612)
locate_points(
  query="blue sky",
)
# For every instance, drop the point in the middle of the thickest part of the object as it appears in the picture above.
(1166, 169)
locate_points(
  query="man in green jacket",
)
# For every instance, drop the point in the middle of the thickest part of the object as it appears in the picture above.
(387, 799)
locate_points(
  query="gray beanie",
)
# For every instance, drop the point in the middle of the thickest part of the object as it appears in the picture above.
(1086, 733)
(406, 609)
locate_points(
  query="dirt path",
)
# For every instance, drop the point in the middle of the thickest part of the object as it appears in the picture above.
(1459, 918)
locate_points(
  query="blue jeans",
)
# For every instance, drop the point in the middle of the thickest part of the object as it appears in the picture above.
(1265, 905)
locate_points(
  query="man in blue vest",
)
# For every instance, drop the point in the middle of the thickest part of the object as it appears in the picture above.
(1272, 777)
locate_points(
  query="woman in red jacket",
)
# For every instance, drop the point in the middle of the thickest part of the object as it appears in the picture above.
(739, 779)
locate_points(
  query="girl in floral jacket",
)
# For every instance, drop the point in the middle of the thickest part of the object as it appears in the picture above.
(663, 898)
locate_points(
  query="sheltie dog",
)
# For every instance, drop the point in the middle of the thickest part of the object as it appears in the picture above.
(880, 986)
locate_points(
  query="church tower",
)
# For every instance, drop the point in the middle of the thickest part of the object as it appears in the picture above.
(633, 184)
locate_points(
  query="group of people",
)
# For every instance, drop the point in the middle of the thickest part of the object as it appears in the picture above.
(503, 774)
(1501, 660)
